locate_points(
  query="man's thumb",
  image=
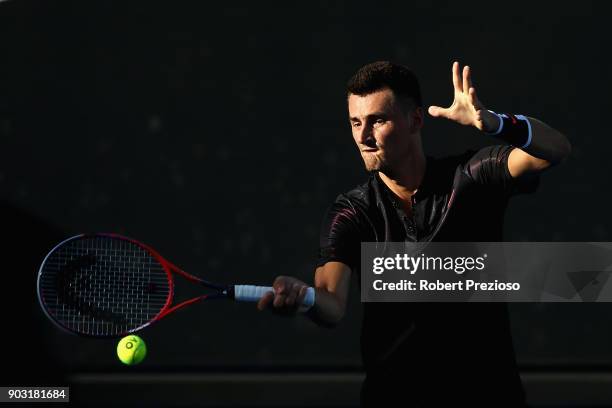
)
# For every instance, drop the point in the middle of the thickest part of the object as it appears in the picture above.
(435, 111)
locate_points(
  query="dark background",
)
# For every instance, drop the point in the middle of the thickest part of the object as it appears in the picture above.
(217, 133)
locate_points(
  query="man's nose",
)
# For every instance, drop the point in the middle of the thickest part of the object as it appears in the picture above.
(366, 135)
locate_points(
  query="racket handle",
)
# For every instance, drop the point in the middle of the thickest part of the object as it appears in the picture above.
(252, 293)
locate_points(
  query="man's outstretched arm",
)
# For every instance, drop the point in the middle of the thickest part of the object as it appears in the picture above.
(331, 283)
(548, 147)
(538, 148)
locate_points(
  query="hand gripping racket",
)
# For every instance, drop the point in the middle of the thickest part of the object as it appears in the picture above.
(107, 285)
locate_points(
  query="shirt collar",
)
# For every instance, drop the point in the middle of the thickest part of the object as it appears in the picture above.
(422, 191)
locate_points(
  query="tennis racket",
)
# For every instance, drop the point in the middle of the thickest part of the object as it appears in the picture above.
(107, 285)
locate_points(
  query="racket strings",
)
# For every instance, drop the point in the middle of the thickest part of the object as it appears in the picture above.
(103, 286)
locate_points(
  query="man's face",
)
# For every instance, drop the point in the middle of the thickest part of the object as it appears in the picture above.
(383, 131)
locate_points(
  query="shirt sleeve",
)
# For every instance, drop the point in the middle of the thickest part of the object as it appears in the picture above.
(339, 239)
(489, 167)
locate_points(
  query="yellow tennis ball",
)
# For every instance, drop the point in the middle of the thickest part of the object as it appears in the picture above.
(131, 350)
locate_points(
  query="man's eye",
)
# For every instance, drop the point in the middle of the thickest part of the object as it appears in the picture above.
(356, 124)
(379, 121)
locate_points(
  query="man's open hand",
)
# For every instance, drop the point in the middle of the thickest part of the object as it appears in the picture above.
(466, 108)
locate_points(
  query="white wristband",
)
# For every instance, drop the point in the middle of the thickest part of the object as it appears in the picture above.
(501, 125)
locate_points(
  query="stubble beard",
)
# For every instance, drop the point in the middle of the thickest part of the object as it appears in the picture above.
(375, 163)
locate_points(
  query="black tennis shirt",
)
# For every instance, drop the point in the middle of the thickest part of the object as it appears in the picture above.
(432, 353)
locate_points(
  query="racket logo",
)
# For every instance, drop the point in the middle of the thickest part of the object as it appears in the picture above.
(151, 288)
(71, 278)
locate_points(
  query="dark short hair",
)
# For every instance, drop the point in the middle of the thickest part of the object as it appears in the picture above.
(384, 74)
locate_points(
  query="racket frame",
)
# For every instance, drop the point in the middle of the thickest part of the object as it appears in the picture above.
(222, 291)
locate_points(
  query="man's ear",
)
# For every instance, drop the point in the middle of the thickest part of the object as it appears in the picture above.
(416, 119)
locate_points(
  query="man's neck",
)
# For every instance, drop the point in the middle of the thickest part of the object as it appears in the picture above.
(405, 181)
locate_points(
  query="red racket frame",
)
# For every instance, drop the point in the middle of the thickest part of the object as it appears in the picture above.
(169, 268)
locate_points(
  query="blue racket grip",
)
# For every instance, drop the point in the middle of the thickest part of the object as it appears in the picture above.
(252, 293)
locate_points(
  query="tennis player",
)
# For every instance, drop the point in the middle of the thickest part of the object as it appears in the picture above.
(425, 354)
